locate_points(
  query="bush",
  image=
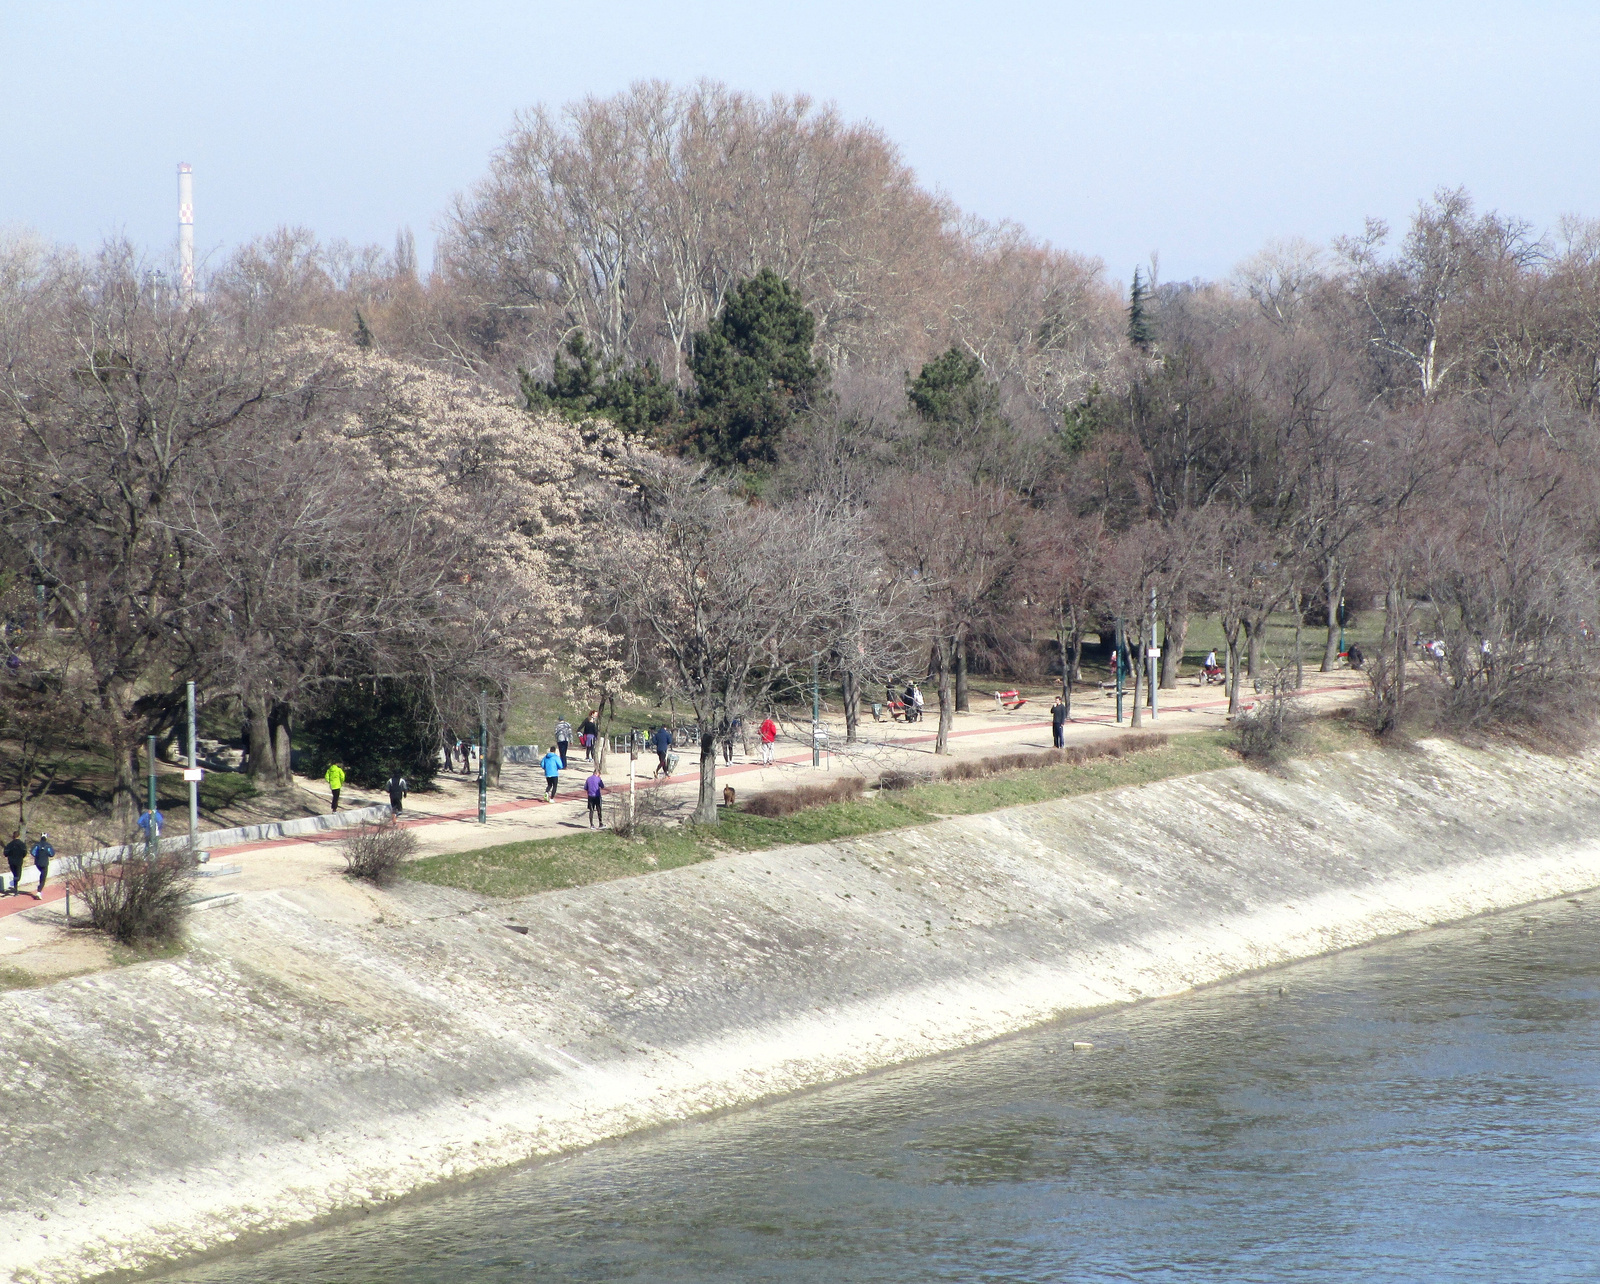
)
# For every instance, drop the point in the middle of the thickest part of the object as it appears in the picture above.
(1074, 755)
(374, 853)
(897, 780)
(639, 812)
(1275, 728)
(370, 727)
(141, 899)
(785, 802)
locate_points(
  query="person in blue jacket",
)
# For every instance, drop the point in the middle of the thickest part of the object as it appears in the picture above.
(661, 742)
(551, 763)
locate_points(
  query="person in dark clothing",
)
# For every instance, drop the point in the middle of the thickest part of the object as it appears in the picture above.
(661, 742)
(589, 732)
(398, 789)
(42, 852)
(449, 753)
(16, 853)
(1058, 722)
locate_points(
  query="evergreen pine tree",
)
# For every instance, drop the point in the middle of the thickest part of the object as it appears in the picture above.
(363, 334)
(753, 368)
(1140, 332)
(634, 398)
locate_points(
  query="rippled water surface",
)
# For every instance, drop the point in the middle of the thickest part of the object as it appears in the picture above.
(1423, 1110)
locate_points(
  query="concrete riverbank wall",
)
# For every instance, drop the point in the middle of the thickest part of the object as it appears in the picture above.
(324, 1051)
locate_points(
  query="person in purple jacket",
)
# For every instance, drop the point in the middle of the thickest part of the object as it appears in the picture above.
(592, 788)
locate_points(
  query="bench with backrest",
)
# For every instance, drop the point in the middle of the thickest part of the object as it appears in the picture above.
(1009, 700)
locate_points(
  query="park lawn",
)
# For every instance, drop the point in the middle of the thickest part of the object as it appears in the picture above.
(550, 864)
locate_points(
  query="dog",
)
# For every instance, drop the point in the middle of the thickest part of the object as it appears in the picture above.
(727, 795)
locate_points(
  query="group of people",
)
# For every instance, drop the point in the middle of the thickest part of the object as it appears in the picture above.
(17, 854)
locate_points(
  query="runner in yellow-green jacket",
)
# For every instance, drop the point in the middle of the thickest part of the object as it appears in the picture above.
(335, 778)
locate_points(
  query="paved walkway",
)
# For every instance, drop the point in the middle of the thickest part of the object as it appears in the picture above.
(446, 819)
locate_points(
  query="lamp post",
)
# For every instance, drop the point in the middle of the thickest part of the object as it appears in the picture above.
(1118, 649)
(483, 757)
(1153, 654)
(194, 783)
(816, 715)
(150, 828)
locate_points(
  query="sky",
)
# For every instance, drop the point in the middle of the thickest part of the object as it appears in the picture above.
(1195, 131)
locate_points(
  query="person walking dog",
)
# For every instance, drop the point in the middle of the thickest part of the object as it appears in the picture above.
(551, 763)
(592, 788)
(335, 778)
(42, 852)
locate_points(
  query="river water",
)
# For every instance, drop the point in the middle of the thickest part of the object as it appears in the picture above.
(1425, 1109)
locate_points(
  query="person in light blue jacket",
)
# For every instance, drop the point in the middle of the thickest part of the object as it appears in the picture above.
(551, 763)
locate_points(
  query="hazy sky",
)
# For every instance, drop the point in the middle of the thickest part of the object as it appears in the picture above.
(1194, 129)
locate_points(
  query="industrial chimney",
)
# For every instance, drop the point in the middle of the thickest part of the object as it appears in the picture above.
(185, 233)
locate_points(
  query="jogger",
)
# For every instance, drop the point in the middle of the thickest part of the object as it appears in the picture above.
(42, 852)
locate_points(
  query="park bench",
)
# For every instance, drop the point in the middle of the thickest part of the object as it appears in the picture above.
(1009, 700)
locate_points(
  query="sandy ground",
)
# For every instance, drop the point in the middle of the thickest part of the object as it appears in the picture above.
(36, 946)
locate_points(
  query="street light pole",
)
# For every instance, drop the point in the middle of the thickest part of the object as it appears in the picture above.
(150, 829)
(1153, 654)
(816, 715)
(483, 757)
(194, 783)
(1117, 646)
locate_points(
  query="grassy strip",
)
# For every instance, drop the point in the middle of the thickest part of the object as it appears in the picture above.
(548, 864)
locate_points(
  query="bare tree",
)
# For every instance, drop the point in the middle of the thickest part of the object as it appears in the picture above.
(721, 600)
(956, 540)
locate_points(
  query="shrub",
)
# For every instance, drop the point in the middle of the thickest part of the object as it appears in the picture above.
(1075, 755)
(140, 899)
(785, 802)
(1276, 727)
(897, 780)
(638, 813)
(374, 853)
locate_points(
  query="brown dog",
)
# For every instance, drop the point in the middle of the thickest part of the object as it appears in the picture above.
(727, 795)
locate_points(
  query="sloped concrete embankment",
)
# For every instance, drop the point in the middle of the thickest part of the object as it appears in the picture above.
(305, 1059)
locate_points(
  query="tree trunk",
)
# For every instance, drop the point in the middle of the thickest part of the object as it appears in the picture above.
(941, 744)
(1232, 676)
(1252, 652)
(497, 744)
(705, 810)
(963, 702)
(1134, 663)
(1077, 654)
(1299, 628)
(1177, 630)
(260, 768)
(282, 750)
(1334, 584)
(1399, 671)
(852, 706)
(1062, 645)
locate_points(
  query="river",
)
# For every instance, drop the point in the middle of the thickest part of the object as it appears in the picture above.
(1423, 1109)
